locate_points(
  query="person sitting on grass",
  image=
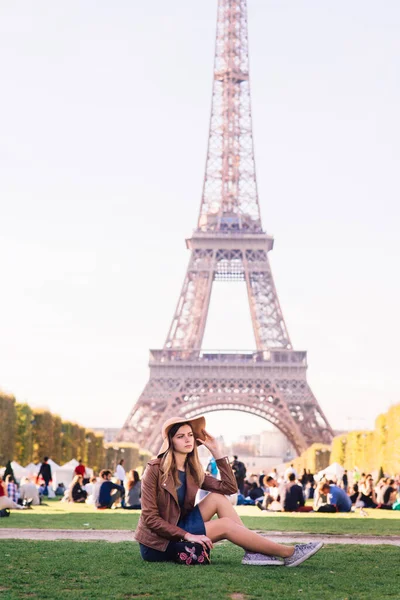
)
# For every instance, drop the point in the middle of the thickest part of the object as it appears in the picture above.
(77, 493)
(255, 492)
(93, 490)
(133, 491)
(294, 497)
(337, 497)
(60, 491)
(354, 493)
(110, 493)
(28, 492)
(367, 492)
(169, 488)
(12, 488)
(387, 493)
(321, 498)
(274, 496)
(5, 501)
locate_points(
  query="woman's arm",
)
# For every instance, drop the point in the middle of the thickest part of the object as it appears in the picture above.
(150, 513)
(116, 486)
(227, 485)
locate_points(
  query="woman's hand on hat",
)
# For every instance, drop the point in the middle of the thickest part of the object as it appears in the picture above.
(211, 444)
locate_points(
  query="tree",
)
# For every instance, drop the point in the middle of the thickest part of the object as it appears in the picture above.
(24, 438)
(43, 434)
(8, 425)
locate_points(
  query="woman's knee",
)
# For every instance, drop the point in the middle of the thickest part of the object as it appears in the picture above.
(218, 498)
(226, 524)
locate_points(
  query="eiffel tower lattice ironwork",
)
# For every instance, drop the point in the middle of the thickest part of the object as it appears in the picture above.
(229, 244)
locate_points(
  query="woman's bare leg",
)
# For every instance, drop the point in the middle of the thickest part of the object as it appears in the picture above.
(6, 502)
(217, 504)
(227, 529)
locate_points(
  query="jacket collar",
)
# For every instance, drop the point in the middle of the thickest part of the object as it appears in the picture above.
(169, 485)
(191, 488)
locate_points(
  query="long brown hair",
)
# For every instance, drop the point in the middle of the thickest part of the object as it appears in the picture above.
(133, 479)
(168, 462)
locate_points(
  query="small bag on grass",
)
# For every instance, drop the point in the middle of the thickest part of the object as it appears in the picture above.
(191, 553)
(5, 512)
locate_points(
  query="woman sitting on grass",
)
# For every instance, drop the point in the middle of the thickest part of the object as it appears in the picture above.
(77, 493)
(5, 501)
(169, 487)
(133, 491)
(367, 493)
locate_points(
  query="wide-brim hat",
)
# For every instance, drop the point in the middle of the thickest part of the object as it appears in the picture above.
(198, 425)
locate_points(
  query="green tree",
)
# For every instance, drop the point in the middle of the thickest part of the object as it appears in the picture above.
(73, 441)
(43, 434)
(94, 454)
(24, 438)
(8, 426)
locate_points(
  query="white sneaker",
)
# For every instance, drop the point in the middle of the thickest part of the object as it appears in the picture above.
(256, 558)
(301, 553)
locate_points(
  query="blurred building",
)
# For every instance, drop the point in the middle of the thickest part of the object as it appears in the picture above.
(109, 433)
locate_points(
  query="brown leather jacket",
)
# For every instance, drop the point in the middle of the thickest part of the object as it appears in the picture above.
(160, 509)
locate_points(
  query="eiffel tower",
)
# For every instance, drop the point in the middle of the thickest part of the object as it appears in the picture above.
(229, 244)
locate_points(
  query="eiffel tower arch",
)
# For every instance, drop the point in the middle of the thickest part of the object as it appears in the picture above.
(229, 244)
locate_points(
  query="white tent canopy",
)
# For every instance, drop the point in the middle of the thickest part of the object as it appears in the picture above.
(334, 471)
(19, 470)
(71, 464)
(53, 465)
(65, 473)
(32, 469)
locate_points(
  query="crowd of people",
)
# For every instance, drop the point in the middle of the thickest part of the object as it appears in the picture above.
(110, 490)
(270, 491)
(289, 491)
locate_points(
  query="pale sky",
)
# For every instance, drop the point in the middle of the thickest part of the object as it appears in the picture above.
(104, 116)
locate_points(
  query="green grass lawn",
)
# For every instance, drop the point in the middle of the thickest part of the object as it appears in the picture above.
(59, 515)
(93, 570)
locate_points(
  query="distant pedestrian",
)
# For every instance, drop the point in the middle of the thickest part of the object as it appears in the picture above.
(80, 469)
(345, 481)
(45, 473)
(120, 472)
(8, 470)
(310, 477)
(289, 471)
(239, 470)
(212, 467)
(304, 479)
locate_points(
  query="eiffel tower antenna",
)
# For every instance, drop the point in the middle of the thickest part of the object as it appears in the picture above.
(229, 244)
